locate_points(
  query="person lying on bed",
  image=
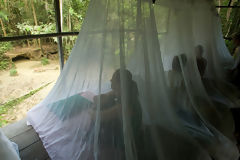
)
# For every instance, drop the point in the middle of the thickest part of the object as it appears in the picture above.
(111, 127)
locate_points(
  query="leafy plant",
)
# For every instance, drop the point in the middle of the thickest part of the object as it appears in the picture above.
(4, 61)
(5, 46)
(44, 61)
(3, 15)
(230, 46)
(13, 72)
(69, 43)
(26, 27)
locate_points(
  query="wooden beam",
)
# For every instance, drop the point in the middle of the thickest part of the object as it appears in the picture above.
(59, 30)
(35, 36)
(227, 6)
(49, 35)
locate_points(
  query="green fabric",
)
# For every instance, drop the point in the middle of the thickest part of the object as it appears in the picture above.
(69, 107)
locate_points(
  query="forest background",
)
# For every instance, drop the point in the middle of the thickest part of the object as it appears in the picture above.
(28, 17)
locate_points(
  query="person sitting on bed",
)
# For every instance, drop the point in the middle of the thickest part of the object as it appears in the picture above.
(201, 61)
(110, 103)
(175, 75)
(111, 112)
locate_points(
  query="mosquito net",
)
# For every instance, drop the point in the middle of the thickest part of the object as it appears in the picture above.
(143, 81)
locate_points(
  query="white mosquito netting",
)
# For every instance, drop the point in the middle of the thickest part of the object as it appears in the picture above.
(143, 81)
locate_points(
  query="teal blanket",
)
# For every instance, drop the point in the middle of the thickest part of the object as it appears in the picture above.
(69, 107)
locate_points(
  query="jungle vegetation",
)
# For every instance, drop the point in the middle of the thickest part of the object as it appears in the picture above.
(22, 17)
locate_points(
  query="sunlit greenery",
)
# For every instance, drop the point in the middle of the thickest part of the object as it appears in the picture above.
(13, 72)
(24, 17)
(230, 20)
(28, 17)
(44, 61)
(4, 61)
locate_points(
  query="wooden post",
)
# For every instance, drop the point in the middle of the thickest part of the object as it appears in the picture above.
(59, 30)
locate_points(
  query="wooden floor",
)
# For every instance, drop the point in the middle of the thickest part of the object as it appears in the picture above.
(29, 144)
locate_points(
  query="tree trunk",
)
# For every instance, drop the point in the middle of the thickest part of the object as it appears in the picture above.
(27, 40)
(5, 3)
(229, 13)
(3, 28)
(229, 27)
(69, 22)
(26, 4)
(70, 27)
(34, 13)
(36, 23)
(219, 9)
(228, 17)
(40, 44)
(46, 5)
(39, 40)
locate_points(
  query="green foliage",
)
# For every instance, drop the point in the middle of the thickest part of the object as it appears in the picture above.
(73, 14)
(10, 104)
(4, 61)
(69, 43)
(230, 46)
(13, 72)
(3, 15)
(25, 27)
(230, 18)
(18, 19)
(67, 51)
(4, 64)
(44, 61)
